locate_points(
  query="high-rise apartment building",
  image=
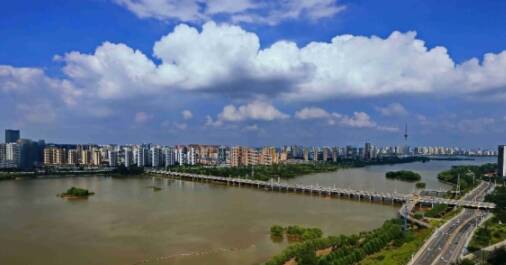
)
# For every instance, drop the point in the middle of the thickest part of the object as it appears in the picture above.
(181, 155)
(112, 158)
(222, 154)
(315, 154)
(243, 156)
(501, 161)
(191, 156)
(156, 157)
(48, 156)
(141, 156)
(13, 153)
(169, 156)
(325, 154)
(128, 157)
(86, 157)
(97, 157)
(72, 157)
(268, 156)
(2, 152)
(59, 156)
(11, 136)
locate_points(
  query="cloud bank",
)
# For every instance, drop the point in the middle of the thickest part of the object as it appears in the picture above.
(226, 59)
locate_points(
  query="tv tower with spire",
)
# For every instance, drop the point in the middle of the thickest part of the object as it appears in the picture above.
(405, 147)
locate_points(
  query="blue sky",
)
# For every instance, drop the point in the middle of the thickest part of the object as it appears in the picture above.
(250, 72)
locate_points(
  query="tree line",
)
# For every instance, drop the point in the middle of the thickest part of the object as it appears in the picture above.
(346, 250)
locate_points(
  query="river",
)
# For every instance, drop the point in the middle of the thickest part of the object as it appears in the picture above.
(127, 223)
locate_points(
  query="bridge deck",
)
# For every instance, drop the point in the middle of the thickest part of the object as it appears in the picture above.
(331, 191)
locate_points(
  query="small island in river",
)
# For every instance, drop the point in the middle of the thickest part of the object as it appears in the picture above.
(76, 193)
(404, 175)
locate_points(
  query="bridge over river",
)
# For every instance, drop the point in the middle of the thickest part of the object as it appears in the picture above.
(328, 191)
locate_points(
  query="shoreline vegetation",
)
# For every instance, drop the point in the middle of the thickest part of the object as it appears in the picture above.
(467, 176)
(341, 249)
(404, 175)
(76, 193)
(120, 171)
(294, 233)
(287, 171)
(494, 229)
(389, 244)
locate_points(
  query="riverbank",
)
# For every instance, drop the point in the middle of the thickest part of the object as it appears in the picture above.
(467, 176)
(120, 171)
(289, 171)
(341, 249)
(494, 229)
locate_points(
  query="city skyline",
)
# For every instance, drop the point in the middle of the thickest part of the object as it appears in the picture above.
(243, 74)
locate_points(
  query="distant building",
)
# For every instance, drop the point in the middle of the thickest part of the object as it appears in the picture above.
(4, 163)
(13, 153)
(222, 154)
(306, 154)
(501, 161)
(11, 136)
(169, 156)
(191, 156)
(141, 156)
(268, 156)
(2, 152)
(85, 157)
(72, 158)
(368, 152)
(97, 158)
(113, 158)
(128, 157)
(156, 157)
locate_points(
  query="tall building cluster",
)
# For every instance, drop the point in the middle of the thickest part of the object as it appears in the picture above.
(20, 153)
(27, 154)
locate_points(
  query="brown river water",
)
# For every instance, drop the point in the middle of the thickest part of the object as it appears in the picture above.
(127, 223)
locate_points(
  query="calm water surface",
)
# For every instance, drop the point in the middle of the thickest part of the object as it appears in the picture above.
(126, 223)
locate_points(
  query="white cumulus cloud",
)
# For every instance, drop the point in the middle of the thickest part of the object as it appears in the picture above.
(312, 113)
(247, 11)
(394, 109)
(187, 114)
(357, 120)
(226, 59)
(255, 110)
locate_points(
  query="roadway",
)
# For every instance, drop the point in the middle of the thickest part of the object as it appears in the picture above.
(448, 242)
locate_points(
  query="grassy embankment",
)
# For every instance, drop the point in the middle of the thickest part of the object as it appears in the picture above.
(400, 255)
(341, 249)
(493, 230)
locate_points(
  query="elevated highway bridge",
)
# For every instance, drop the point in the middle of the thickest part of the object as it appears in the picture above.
(328, 191)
